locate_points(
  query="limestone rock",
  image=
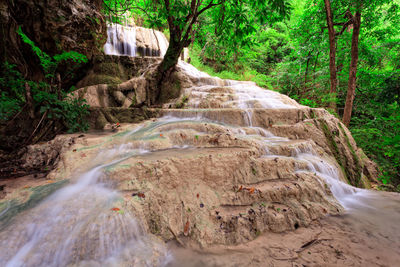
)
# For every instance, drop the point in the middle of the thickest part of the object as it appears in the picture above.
(247, 163)
(150, 42)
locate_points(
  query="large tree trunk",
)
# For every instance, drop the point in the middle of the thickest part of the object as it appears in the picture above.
(164, 70)
(332, 50)
(353, 70)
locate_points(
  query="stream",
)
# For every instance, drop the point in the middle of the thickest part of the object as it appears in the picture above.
(77, 226)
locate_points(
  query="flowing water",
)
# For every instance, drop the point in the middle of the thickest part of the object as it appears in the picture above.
(79, 224)
(121, 40)
(132, 41)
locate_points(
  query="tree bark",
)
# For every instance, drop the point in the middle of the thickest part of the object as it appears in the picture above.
(315, 65)
(306, 73)
(332, 46)
(165, 68)
(353, 70)
(180, 37)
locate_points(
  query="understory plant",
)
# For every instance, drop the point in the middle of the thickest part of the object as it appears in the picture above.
(44, 99)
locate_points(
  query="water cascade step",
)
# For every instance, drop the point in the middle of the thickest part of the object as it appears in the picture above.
(237, 161)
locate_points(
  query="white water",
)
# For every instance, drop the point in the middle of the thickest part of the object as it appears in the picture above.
(75, 225)
(121, 40)
(249, 96)
(133, 41)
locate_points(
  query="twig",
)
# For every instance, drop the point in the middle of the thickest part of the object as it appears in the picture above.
(44, 114)
(176, 237)
(310, 243)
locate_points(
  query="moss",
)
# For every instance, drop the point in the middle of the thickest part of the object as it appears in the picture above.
(109, 117)
(110, 69)
(253, 171)
(112, 87)
(313, 115)
(171, 90)
(93, 79)
(182, 102)
(335, 149)
(101, 121)
(365, 182)
(134, 102)
(331, 141)
(357, 162)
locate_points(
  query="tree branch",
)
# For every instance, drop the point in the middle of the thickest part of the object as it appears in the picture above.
(210, 5)
(345, 25)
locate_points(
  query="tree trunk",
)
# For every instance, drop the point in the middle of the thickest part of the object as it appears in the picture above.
(164, 70)
(315, 65)
(353, 70)
(332, 49)
(306, 73)
(332, 46)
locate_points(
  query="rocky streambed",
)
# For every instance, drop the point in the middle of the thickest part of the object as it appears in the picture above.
(236, 175)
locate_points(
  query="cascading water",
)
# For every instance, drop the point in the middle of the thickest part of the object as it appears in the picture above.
(134, 41)
(78, 226)
(84, 224)
(121, 40)
(359, 203)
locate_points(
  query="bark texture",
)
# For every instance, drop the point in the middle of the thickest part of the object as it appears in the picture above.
(353, 70)
(332, 46)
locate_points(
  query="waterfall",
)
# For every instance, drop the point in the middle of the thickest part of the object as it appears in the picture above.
(121, 40)
(85, 224)
(134, 41)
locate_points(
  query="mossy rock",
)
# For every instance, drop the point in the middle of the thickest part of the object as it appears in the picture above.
(101, 121)
(171, 89)
(352, 167)
(110, 69)
(94, 79)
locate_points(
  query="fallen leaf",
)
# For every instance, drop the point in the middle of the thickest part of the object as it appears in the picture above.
(141, 195)
(186, 229)
(251, 190)
(240, 188)
(115, 209)
(197, 195)
(27, 186)
(74, 150)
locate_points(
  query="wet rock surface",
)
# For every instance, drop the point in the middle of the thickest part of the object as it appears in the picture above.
(228, 174)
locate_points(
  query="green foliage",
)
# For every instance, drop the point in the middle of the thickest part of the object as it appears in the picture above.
(12, 96)
(48, 63)
(48, 98)
(70, 110)
(308, 102)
